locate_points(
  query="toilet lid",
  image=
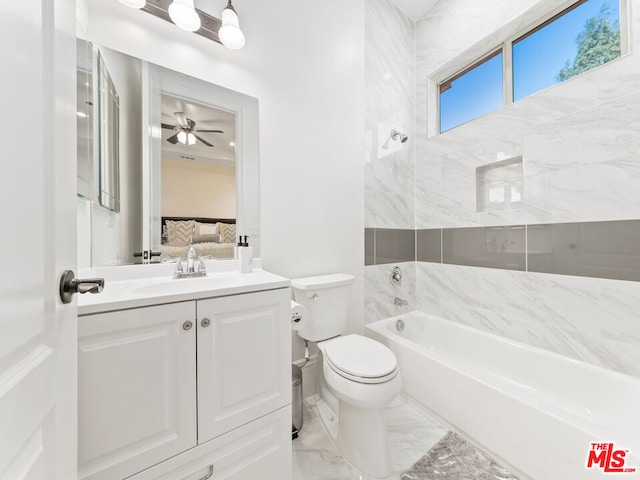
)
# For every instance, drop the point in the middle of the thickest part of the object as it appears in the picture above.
(360, 356)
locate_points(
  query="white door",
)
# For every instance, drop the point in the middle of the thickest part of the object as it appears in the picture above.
(37, 240)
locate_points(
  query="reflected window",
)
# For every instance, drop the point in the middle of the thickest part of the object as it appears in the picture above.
(500, 185)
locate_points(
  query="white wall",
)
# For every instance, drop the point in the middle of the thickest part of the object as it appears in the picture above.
(192, 189)
(304, 61)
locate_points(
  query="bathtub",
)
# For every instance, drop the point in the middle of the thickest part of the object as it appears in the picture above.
(535, 410)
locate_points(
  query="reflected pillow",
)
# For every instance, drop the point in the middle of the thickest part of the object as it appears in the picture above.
(227, 232)
(179, 232)
(207, 228)
(213, 237)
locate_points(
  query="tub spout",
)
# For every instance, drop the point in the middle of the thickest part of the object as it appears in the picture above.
(400, 302)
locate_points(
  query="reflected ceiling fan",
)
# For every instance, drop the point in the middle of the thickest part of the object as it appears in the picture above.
(186, 131)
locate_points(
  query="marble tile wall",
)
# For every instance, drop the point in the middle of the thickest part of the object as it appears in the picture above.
(380, 292)
(389, 165)
(580, 143)
(390, 84)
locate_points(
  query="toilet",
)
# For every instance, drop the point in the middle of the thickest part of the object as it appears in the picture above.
(357, 375)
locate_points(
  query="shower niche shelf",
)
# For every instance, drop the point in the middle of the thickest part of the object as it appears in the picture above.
(500, 185)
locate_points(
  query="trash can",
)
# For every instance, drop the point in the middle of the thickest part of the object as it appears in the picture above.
(296, 400)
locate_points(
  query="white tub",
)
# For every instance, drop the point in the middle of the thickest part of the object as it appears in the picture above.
(536, 410)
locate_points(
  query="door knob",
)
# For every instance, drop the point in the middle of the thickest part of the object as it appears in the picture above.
(70, 285)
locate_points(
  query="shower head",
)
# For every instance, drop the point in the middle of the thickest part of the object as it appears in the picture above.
(395, 135)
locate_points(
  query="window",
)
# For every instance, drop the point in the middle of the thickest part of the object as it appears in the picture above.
(475, 91)
(577, 40)
(582, 37)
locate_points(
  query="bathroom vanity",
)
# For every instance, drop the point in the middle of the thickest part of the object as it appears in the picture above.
(185, 379)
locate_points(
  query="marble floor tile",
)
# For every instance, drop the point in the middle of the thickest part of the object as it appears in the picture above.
(411, 434)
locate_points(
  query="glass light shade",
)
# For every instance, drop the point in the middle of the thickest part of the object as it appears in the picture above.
(134, 3)
(184, 15)
(191, 139)
(230, 34)
(182, 137)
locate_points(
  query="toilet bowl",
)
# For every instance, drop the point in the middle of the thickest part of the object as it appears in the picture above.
(357, 375)
(363, 375)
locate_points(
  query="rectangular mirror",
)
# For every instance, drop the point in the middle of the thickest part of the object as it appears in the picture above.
(188, 161)
(108, 138)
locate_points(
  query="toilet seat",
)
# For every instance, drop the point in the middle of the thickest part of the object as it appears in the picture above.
(361, 359)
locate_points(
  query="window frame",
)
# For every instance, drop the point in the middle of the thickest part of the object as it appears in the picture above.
(448, 75)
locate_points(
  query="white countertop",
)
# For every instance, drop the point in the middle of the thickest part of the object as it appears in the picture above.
(136, 286)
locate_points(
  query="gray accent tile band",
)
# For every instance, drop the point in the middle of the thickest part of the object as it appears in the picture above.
(607, 249)
(369, 246)
(395, 245)
(491, 247)
(587, 249)
(429, 245)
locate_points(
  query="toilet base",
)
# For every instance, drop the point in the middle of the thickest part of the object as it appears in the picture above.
(360, 435)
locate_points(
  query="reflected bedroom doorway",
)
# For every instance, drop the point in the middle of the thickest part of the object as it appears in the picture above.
(198, 180)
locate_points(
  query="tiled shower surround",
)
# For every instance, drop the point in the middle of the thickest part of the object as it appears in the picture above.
(580, 145)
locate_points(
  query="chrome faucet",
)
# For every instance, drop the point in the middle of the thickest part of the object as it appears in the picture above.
(400, 302)
(191, 267)
(191, 255)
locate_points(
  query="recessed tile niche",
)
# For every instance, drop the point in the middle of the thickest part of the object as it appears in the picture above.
(500, 185)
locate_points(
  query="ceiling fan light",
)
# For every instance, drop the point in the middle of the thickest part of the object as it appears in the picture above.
(191, 139)
(182, 137)
(184, 15)
(134, 3)
(229, 33)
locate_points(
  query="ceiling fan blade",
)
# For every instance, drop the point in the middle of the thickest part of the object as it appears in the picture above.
(173, 139)
(166, 125)
(211, 131)
(204, 141)
(182, 119)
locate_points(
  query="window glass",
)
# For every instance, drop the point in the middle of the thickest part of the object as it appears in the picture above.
(474, 92)
(577, 40)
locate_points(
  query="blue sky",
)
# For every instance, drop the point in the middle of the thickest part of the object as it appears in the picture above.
(536, 61)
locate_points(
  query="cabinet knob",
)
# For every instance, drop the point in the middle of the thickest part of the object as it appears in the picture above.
(205, 322)
(187, 325)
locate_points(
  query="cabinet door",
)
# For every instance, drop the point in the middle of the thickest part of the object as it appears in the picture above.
(260, 450)
(137, 389)
(244, 359)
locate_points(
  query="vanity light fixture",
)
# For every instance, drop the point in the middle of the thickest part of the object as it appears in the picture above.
(184, 15)
(134, 3)
(230, 34)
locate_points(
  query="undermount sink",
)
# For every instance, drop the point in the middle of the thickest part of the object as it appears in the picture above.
(182, 285)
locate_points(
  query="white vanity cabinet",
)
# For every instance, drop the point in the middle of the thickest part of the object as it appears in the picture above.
(244, 368)
(178, 390)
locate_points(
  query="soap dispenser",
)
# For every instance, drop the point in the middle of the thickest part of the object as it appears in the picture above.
(245, 257)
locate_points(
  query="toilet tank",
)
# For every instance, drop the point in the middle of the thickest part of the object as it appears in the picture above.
(326, 302)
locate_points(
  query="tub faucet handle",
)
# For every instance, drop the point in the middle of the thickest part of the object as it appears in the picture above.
(396, 276)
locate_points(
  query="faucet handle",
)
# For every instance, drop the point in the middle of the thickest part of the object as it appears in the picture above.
(201, 266)
(179, 268)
